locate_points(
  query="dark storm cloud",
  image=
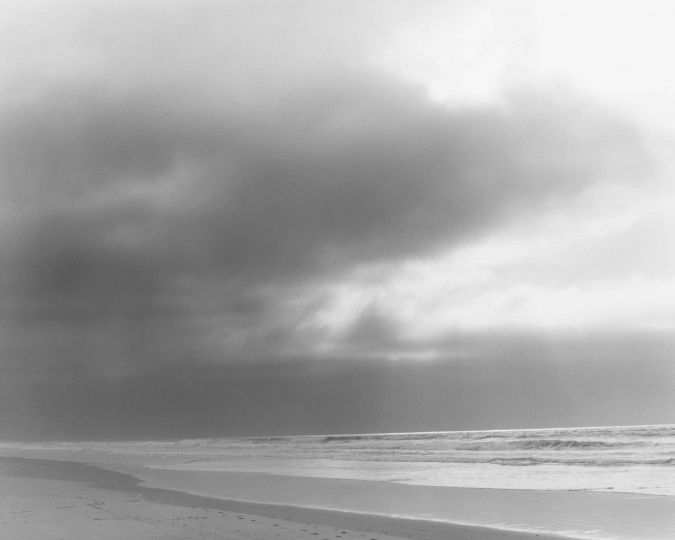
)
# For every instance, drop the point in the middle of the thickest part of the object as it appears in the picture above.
(130, 203)
(337, 176)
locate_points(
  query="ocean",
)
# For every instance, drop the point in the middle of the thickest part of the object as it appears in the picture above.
(632, 459)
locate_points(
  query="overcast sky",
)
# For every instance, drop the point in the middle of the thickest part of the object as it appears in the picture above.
(245, 217)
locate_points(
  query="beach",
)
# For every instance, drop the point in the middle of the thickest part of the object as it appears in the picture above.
(59, 500)
(585, 483)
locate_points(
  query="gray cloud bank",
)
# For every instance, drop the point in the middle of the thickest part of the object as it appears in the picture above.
(174, 176)
(511, 384)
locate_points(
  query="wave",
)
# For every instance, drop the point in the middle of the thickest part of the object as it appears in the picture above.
(581, 462)
(611, 446)
(545, 444)
(563, 438)
(569, 444)
(349, 438)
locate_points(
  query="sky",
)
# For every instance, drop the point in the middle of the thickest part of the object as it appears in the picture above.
(224, 218)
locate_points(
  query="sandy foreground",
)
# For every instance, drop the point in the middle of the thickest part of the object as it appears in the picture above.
(48, 500)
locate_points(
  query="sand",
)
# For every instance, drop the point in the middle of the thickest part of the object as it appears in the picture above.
(51, 500)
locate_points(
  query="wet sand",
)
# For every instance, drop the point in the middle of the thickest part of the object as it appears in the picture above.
(59, 500)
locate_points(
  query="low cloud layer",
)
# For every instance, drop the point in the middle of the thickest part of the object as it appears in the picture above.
(589, 382)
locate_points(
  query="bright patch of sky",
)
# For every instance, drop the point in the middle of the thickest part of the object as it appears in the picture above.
(603, 260)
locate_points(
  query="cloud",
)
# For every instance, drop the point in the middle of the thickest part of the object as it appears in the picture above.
(200, 201)
(175, 184)
(588, 382)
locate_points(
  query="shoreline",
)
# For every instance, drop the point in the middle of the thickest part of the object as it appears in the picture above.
(569, 514)
(99, 477)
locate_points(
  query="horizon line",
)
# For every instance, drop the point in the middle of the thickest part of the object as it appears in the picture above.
(253, 437)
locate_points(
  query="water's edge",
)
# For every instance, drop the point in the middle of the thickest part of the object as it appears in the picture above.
(104, 478)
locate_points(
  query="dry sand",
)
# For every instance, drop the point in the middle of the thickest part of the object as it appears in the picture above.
(41, 500)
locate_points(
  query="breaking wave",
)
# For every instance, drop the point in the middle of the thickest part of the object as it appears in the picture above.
(563, 444)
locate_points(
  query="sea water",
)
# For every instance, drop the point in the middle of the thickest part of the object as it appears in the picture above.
(634, 459)
(627, 459)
